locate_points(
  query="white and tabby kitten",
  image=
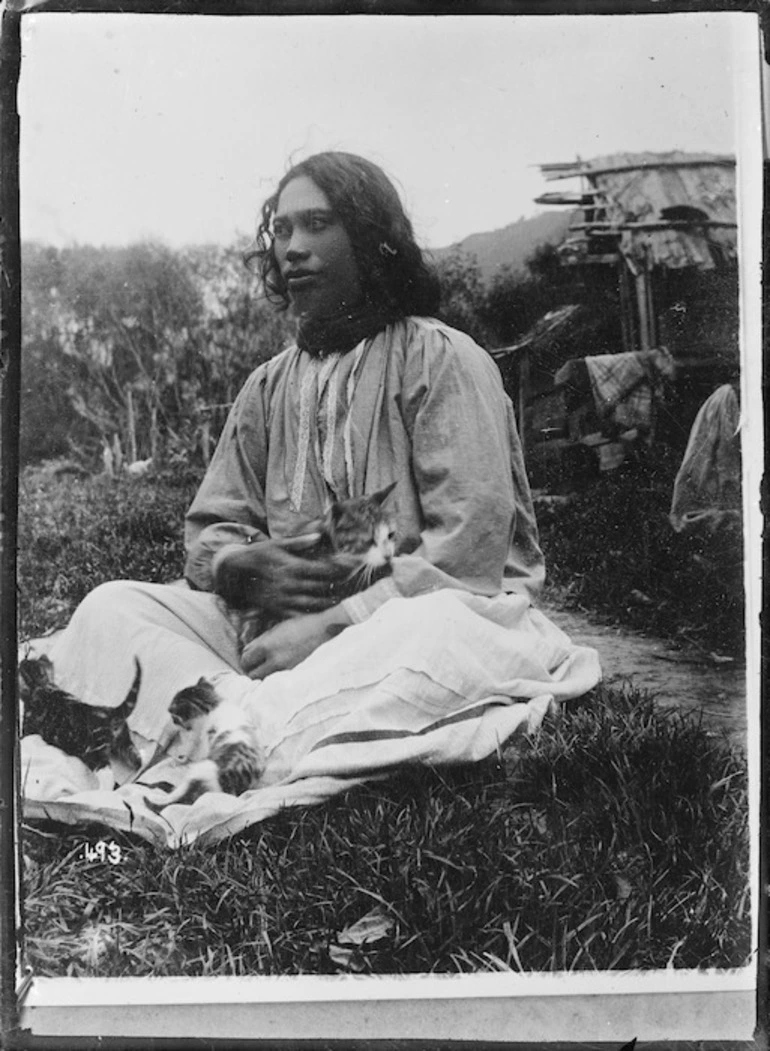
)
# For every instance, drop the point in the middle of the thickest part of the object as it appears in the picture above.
(234, 760)
(357, 532)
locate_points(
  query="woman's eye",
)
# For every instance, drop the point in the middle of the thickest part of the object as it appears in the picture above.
(281, 233)
(318, 222)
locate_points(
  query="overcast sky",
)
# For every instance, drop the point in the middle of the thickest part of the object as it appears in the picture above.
(176, 127)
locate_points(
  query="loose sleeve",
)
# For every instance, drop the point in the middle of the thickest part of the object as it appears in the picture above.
(478, 525)
(229, 507)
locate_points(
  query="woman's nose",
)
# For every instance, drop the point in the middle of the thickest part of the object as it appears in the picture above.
(296, 252)
(297, 247)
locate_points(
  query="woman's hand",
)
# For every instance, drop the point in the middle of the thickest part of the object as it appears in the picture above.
(280, 577)
(289, 643)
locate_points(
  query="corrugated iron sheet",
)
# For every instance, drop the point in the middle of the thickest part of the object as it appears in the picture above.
(544, 329)
(641, 187)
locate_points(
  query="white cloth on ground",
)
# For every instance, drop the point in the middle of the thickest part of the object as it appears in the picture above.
(443, 678)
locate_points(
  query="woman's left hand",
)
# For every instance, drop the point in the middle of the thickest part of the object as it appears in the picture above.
(289, 643)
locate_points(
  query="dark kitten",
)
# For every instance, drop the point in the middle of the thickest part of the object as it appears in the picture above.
(95, 734)
(235, 759)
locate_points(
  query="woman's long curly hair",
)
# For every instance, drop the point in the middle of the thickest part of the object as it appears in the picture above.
(395, 277)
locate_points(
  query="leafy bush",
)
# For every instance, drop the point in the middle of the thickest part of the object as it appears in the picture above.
(141, 343)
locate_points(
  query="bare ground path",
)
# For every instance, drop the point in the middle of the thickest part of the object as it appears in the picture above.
(686, 678)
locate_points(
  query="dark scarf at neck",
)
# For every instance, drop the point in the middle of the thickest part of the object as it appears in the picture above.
(339, 333)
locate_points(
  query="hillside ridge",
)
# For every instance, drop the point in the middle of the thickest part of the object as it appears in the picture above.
(511, 245)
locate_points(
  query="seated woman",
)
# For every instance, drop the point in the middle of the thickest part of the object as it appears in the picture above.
(375, 391)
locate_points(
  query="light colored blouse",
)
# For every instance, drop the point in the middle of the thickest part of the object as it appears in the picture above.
(419, 403)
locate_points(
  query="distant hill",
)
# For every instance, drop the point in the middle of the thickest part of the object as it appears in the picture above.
(513, 244)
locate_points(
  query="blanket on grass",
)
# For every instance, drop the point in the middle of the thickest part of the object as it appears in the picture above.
(482, 673)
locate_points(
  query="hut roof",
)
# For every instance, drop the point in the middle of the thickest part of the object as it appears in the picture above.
(672, 209)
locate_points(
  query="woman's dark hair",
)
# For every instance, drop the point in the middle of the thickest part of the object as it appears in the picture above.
(394, 275)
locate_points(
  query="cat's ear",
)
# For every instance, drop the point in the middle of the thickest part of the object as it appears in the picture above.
(382, 494)
(335, 512)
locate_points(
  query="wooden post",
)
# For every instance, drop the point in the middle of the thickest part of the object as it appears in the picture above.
(628, 329)
(642, 302)
(645, 301)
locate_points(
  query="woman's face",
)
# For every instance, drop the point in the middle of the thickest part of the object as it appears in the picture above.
(313, 252)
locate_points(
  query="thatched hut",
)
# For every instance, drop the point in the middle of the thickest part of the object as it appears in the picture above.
(657, 232)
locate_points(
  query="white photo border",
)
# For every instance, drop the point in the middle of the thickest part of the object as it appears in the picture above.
(611, 1008)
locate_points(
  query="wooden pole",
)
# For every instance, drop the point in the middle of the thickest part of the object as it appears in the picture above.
(642, 302)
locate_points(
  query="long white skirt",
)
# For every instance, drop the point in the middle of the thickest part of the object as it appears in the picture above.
(445, 677)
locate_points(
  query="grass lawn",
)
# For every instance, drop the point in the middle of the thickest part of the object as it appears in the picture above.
(611, 549)
(616, 838)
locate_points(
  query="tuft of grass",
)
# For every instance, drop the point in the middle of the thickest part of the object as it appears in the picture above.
(617, 838)
(76, 533)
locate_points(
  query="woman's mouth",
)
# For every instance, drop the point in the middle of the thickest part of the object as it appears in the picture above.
(299, 280)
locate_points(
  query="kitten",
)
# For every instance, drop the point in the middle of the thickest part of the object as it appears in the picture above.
(360, 529)
(235, 759)
(357, 532)
(94, 734)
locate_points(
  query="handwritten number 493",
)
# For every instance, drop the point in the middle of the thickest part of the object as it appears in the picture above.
(102, 851)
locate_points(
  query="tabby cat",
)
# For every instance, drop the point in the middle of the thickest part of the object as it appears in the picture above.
(235, 759)
(94, 734)
(356, 531)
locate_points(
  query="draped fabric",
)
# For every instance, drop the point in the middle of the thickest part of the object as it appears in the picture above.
(707, 487)
(444, 678)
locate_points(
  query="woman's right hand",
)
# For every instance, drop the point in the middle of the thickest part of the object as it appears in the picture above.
(279, 577)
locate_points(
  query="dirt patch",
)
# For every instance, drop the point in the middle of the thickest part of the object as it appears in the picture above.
(689, 679)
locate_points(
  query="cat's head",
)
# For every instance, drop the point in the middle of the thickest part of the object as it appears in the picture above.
(192, 703)
(34, 674)
(362, 527)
